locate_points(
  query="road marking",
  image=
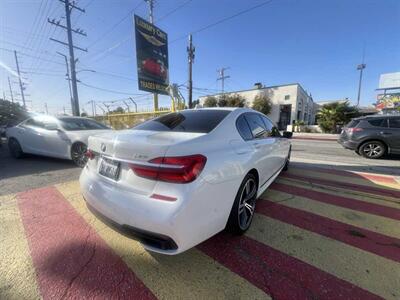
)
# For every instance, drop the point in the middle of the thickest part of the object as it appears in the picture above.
(190, 275)
(355, 236)
(279, 275)
(70, 258)
(370, 272)
(371, 222)
(368, 176)
(371, 208)
(385, 201)
(357, 180)
(17, 275)
(361, 188)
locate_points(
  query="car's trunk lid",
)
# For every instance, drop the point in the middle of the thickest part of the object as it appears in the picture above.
(134, 146)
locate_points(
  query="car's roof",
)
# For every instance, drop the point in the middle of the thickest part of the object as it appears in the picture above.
(378, 116)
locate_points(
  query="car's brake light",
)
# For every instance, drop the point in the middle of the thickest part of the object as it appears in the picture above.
(353, 129)
(177, 169)
(90, 154)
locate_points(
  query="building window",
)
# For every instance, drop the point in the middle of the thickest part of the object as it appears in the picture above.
(287, 97)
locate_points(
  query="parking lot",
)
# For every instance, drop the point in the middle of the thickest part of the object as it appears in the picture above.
(326, 229)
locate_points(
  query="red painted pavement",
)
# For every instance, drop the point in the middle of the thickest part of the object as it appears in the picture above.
(374, 177)
(70, 258)
(364, 239)
(371, 208)
(279, 275)
(352, 186)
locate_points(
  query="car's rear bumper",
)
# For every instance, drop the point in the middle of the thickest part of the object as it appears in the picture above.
(169, 227)
(348, 144)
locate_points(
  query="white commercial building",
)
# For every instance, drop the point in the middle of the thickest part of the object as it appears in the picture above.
(290, 102)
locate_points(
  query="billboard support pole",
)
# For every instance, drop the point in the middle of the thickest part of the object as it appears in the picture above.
(151, 20)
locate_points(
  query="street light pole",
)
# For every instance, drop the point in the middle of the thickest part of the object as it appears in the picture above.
(360, 67)
(69, 81)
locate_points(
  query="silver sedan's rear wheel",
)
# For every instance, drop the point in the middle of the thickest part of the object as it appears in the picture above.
(243, 208)
(78, 154)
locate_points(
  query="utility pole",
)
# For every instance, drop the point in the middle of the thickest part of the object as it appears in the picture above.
(46, 109)
(69, 81)
(21, 86)
(222, 77)
(190, 49)
(11, 92)
(151, 20)
(68, 8)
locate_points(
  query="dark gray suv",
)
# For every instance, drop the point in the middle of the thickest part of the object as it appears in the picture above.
(372, 136)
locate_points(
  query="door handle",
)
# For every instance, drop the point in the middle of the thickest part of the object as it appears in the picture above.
(257, 145)
(385, 133)
(20, 131)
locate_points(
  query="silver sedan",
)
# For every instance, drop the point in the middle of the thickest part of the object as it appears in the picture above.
(62, 137)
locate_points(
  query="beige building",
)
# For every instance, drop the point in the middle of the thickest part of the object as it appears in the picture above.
(290, 102)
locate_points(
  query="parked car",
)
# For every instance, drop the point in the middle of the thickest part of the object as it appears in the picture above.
(177, 180)
(372, 136)
(63, 137)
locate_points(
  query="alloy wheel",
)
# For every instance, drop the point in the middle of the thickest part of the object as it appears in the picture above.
(247, 203)
(373, 150)
(78, 154)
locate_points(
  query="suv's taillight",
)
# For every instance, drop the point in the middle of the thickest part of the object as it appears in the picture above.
(176, 169)
(353, 129)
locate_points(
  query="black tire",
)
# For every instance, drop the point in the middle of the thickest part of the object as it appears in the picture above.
(15, 148)
(286, 167)
(242, 211)
(78, 156)
(372, 149)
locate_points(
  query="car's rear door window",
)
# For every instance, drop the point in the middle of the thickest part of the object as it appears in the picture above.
(271, 127)
(257, 126)
(353, 123)
(378, 122)
(394, 122)
(196, 121)
(243, 128)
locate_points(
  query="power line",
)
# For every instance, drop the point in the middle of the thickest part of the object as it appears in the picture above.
(116, 24)
(223, 20)
(110, 91)
(174, 10)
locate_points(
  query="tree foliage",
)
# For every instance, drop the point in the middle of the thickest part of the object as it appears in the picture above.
(335, 114)
(262, 104)
(11, 113)
(210, 101)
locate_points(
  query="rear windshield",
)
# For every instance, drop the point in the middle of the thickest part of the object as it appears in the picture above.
(198, 121)
(72, 124)
(353, 123)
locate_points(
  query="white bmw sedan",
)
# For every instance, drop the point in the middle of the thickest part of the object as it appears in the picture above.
(174, 181)
(62, 137)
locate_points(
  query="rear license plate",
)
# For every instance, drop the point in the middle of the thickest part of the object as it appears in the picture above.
(109, 168)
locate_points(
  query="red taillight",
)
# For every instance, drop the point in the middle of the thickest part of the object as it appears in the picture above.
(178, 169)
(90, 154)
(354, 129)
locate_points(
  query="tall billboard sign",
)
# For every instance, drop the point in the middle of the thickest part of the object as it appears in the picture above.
(151, 57)
(389, 81)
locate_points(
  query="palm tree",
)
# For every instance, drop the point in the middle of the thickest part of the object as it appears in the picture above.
(337, 113)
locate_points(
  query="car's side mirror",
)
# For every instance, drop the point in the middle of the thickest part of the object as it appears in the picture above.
(287, 134)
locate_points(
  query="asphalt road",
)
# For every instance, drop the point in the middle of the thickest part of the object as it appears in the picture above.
(35, 171)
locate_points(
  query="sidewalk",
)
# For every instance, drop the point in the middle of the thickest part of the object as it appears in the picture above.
(315, 136)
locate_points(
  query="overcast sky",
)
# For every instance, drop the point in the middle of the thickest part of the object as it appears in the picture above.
(317, 43)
